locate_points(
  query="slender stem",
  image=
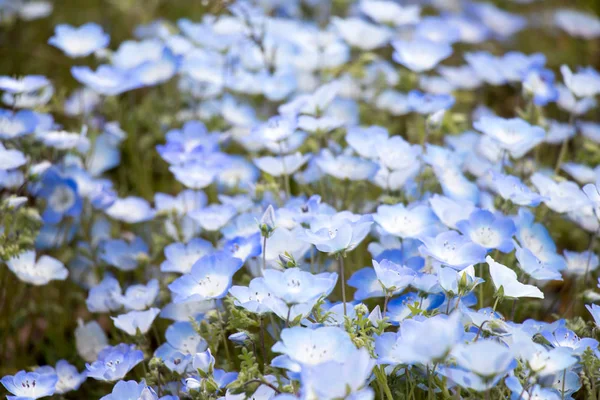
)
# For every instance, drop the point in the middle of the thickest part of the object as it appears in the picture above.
(287, 319)
(262, 343)
(562, 390)
(264, 255)
(385, 303)
(343, 281)
(448, 305)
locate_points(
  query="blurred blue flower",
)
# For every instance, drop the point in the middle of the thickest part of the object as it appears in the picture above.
(79, 41)
(114, 362)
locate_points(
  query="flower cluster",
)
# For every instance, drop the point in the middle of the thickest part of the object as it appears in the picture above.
(284, 200)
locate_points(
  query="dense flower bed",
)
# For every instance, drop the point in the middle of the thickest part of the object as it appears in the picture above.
(302, 200)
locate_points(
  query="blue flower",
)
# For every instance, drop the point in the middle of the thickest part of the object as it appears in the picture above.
(427, 103)
(514, 135)
(69, 378)
(209, 278)
(334, 379)
(563, 337)
(489, 230)
(123, 255)
(486, 358)
(131, 210)
(281, 165)
(400, 308)
(131, 390)
(303, 347)
(107, 80)
(542, 270)
(139, 297)
(25, 84)
(295, 286)
(114, 362)
(244, 247)
(407, 222)
(213, 217)
(180, 257)
(105, 296)
(584, 83)
(136, 322)
(540, 83)
(17, 124)
(577, 23)
(39, 272)
(452, 249)
(511, 188)
(346, 167)
(420, 54)
(256, 297)
(505, 278)
(341, 232)
(11, 159)
(561, 196)
(361, 34)
(187, 143)
(30, 385)
(197, 173)
(420, 341)
(62, 198)
(81, 41)
(393, 277)
(182, 343)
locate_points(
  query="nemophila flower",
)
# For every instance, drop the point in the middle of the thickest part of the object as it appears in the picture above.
(489, 230)
(131, 390)
(304, 347)
(451, 211)
(105, 296)
(540, 84)
(534, 392)
(501, 23)
(366, 283)
(187, 143)
(592, 191)
(595, 312)
(486, 66)
(275, 129)
(17, 124)
(214, 216)
(402, 307)
(123, 255)
(136, 321)
(140, 297)
(366, 140)
(362, 34)
(107, 80)
(182, 343)
(281, 165)
(244, 248)
(336, 233)
(427, 103)
(256, 297)
(388, 12)
(420, 340)
(407, 222)
(561, 196)
(30, 385)
(581, 173)
(131, 210)
(346, 167)
(393, 277)
(452, 249)
(486, 357)
(584, 83)
(197, 174)
(10, 158)
(505, 278)
(114, 362)
(458, 283)
(24, 84)
(294, 286)
(333, 379)
(420, 54)
(567, 101)
(90, 339)
(62, 198)
(563, 337)
(39, 272)
(577, 23)
(437, 29)
(454, 183)
(79, 41)
(209, 278)
(69, 378)
(514, 135)
(545, 267)
(559, 132)
(590, 130)
(511, 188)
(179, 257)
